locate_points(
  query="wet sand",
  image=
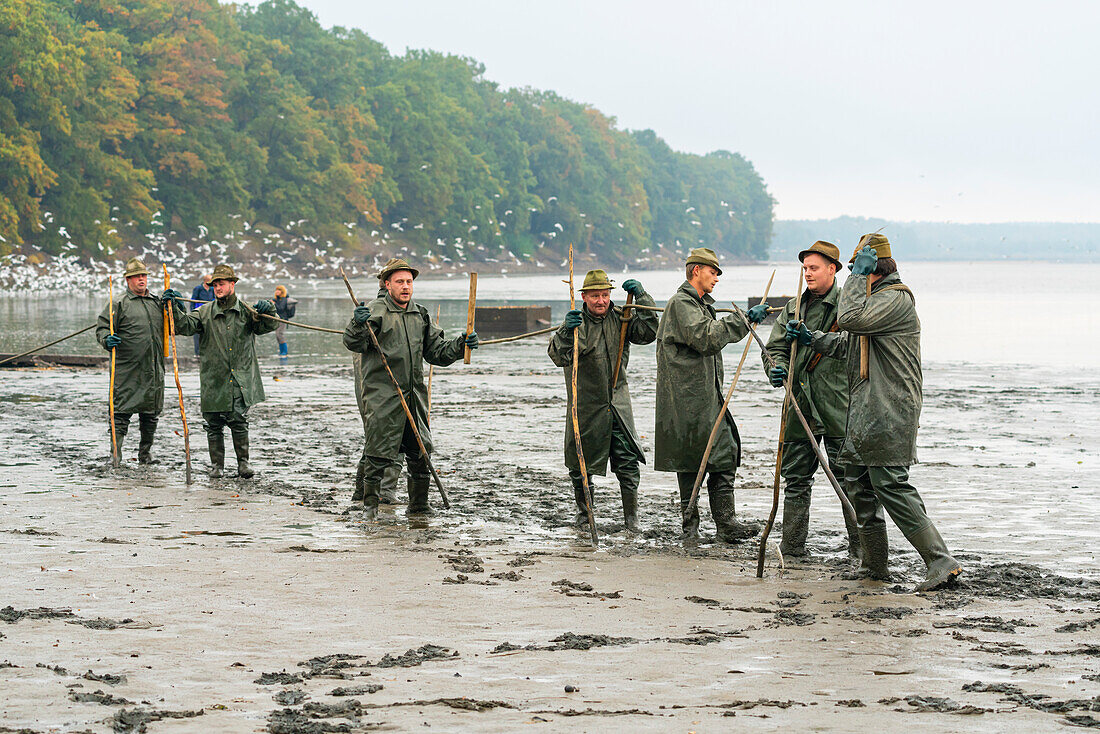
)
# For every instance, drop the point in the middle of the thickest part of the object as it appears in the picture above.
(132, 601)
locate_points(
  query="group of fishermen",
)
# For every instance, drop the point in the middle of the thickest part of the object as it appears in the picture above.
(868, 424)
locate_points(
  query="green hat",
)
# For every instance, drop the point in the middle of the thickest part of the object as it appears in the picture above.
(223, 272)
(134, 266)
(596, 280)
(394, 265)
(827, 250)
(703, 256)
(876, 242)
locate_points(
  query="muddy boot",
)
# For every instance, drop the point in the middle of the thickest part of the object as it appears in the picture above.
(689, 524)
(240, 447)
(216, 444)
(796, 525)
(875, 556)
(580, 519)
(122, 424)
(147, 429)
(629, 478)
(942, 568)
(370, 500)
(729, 528)
(388, 487)
(418, 495)
(854, 546)
(357, 495)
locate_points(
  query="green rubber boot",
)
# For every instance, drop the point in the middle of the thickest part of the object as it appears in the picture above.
(943, 570)
(418, 495)
(875, 556)
(796, 526)
(215, 443)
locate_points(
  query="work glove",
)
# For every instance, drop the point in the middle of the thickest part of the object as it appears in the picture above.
(865, 262)
(800, 332)
(472, 341)
(266, 307)
(777, 375)
(573, 319)
(633, 287)
(170, 294)
(362, 313)
(113, 340)
(758, 313)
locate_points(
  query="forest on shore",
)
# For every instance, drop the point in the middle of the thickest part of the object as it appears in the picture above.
(124, 120)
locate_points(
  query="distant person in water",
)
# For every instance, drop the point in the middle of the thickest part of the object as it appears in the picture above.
(202, 292)
(284, 309)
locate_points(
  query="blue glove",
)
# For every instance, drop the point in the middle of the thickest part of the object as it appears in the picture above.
(633, 287)
(800, 332)
(362, 313)
(472, 341)
(758, 313)
(170, 294)
(777, 375)
(573, 319)
(865, 262)
(266, 307)
(113, 340)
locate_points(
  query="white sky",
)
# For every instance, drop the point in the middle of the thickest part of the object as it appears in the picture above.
(943, 111)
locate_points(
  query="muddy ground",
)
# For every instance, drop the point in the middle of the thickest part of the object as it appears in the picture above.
(132, 602)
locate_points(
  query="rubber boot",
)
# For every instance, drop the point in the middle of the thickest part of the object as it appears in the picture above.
(418, 495)
(796, 525)
(388, 486)
(580, 520)
(283, 351)
(942, 568)
(357, 495)
(629, 494)
(216, 444)
(854, 546)
(729, 528)
(240, 447)
(370, 500)
(147, 430)
(875, 556)
(689, 524)
(120, 434)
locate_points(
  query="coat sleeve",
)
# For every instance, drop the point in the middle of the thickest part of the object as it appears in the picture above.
(103, 327)
(883, 313)
(258, 324)
(830, 343)
(188, 323)
(643, 324)
(560, 349)
(439, 350)
(691, 327)
(778, 346)
(356, 338)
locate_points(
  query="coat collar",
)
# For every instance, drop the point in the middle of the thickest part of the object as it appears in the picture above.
(392, 307)
(219, 309)
(689, 289)
(890, 279)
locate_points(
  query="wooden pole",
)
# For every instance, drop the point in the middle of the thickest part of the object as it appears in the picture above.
(401, 397)
(865, 345)
(787, 398)
(111, 388)
(171, 334)
(573, 414)
(627, 315)
(722, 414)
(39, 349)
(471, 308)
(517, 337)
(431, 371)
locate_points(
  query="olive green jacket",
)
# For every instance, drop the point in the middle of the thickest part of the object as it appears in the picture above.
(598, 405)
(822, 393)
(408, 338)
(689, 384)
(883, 410)
(139, 359)
(227, 351)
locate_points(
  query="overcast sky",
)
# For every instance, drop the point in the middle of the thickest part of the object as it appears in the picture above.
(944, 111)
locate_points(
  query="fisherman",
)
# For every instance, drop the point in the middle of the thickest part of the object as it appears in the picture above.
(408, 338)
(284, 309)
(689, 397)
(821, 389)
(138, 343)
(880, 442)
(229, 375)
(201, 293)
(604, 412)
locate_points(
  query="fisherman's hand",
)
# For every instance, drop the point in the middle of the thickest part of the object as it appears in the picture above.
(113, 340)
(472, 341)
(265, 307)
(777, 375)
(800, 332)
(633, 287)
(362, 313)
(573, 319)
(865, 262)
(170, 294)
(758, 313)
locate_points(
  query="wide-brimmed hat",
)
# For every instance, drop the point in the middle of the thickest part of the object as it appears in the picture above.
(827, 250)
(876, 242)
(394, 265)
(596, 280)
(223, 272)
(135, 266)
(703, 256)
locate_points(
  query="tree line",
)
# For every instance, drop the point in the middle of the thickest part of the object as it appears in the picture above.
(119, 118)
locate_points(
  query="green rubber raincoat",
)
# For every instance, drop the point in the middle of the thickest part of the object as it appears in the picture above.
(139, 359)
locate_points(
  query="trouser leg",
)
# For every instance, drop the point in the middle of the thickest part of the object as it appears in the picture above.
(147, 426)
(871, 522)
(214, 425)
(799, 464)
(581, 518)
(625, 464)
(420, 478)
(238, 427)
(720, 492)
(122, 426)
(388, 487)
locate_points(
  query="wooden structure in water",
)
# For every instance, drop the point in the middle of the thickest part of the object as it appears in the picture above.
(499, 321)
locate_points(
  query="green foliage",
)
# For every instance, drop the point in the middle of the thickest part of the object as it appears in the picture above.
(181, 113)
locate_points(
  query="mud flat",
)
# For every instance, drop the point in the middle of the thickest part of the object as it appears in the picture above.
(131, 602)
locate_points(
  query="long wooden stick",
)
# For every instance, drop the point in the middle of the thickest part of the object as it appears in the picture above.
(111, 389)
(627, 315)
(865, 346)
(401, 397)
(721, 416)
(431, 371)
(276, 318)
(171, 315)
(573, 414)
(471, 309)
(517, 337)
(167, 326)
(55, 341)
(788, 396)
